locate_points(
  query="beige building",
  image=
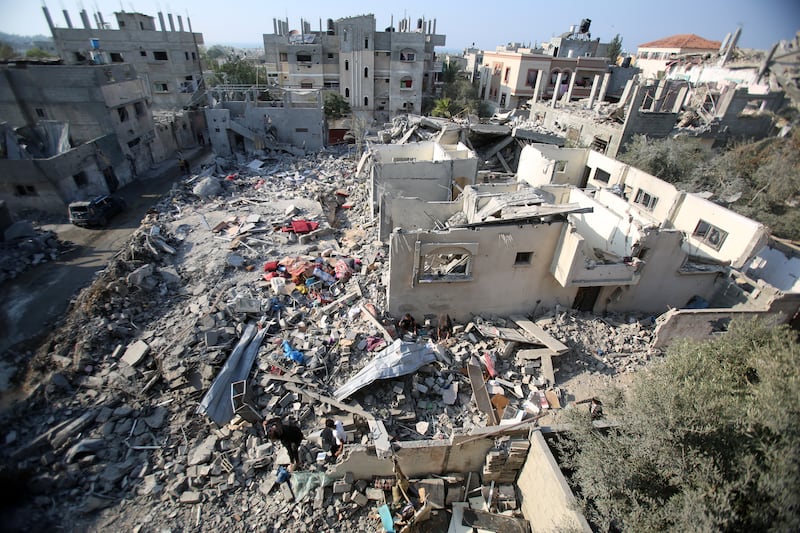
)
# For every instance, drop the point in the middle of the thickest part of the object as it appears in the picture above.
(510, 78)
(380, 73)
(654, 57)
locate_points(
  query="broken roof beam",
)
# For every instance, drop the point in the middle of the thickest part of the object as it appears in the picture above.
(496, 147)
(481, 394)
(540, 334)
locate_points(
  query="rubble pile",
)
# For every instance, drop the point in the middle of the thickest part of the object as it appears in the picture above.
(273, 258)
(25, 246)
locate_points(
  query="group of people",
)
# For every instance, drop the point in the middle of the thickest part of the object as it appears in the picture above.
(408, 326)
(333, 438)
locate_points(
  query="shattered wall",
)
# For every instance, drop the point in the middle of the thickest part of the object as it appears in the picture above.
(53, 180)
(546, 499)
(497, 280)
(542, 164)
(413, 214)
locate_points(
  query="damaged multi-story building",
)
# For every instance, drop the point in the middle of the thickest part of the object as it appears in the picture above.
(380, 73)
(575, 229)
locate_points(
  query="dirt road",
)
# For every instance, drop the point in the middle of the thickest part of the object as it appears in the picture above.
(33, 301)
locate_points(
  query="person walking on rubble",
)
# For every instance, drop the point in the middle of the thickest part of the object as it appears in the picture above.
(290, 436)
(331, 443)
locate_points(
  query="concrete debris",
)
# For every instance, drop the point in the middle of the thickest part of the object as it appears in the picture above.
(25, 246)
(125, 439)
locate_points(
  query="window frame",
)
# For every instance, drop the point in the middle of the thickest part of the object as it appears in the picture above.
(707, 233)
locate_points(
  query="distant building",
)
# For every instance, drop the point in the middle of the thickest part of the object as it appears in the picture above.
(509, 78)
(654, 57)
(380, 73)
(474, 61)
(167, 59)
(577, 42)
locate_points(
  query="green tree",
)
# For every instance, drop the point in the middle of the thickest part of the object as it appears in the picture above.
(443, 108)
(6, 51)
(237, 72)
(37, 53)
(215, 52)
(335, 106)
(708, 440)
(450, 72)
(614, 49)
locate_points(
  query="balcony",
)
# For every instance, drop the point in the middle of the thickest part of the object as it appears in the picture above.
(576, 264)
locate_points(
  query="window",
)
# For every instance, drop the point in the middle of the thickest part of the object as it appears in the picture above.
(407, 55)
(602, 175)
(81, 179)
(554, 76)
(216, 130)
(123, 114)
(366, 72)
(347, 64)
(116, 57)
(503, 100)
(506, 75)
(347, 92)
(283, 56)
(139, 109)
(530, 78)
(160, 55)
(40, 112)
(330, 55)
(445, 263)
(561, 166)
(496, 69)
(710, 234)
(523, 258)
(406, 82)
(134, 142)
(160, 87)
(366, 44)
(301, 130)
(194, 56)
(303, 57)
(25, 190)
(143, 53)
(306, 85)
(600, 145)
(186, 55)
(645, 199)
(366, 100)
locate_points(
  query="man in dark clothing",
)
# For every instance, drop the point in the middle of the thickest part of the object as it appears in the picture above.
(289, 435)
(330, 444)
(407, 324)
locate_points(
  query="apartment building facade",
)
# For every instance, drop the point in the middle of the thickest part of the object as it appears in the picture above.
(654, 57)
(167, 59)
(511, 77)
(380, 73)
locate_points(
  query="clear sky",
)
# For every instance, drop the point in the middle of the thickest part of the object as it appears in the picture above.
(487, 24)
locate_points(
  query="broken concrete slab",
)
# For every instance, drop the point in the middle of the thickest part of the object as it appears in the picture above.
(135, 353)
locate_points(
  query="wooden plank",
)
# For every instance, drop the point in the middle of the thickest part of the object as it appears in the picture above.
(480, 393)
(540, 334)
(494, 522)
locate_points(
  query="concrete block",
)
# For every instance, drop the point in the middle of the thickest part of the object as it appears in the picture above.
(288, 495)
(135, 353)
(376, 494)
(340, 487)
(359, 498)
(191, 496)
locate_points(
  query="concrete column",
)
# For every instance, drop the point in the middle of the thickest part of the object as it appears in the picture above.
(180, 23)
(171, 22)
(48, 17)
(571, 85)
(66, 17)
(657, 99)
(85, 19)
(537, 89)
(681, 96)
(556, 89)
(595, 88)
(603, 88)
(161, 21)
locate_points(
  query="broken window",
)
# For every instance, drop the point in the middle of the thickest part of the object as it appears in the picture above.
(81, 179)
(123, 113)
(160, 55)
(407, 55)
(306, 84)
(160, 87)
(645, 199)
(303, 57)
(283, 56)
(406, 82)
(710, 234)
(139, 108)
(25, 190)
(602, 175)
(523, 258)
(445, 263)
(561, 166)
(554, 76)
(116, 57)
(530, 78)
(599, 145)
